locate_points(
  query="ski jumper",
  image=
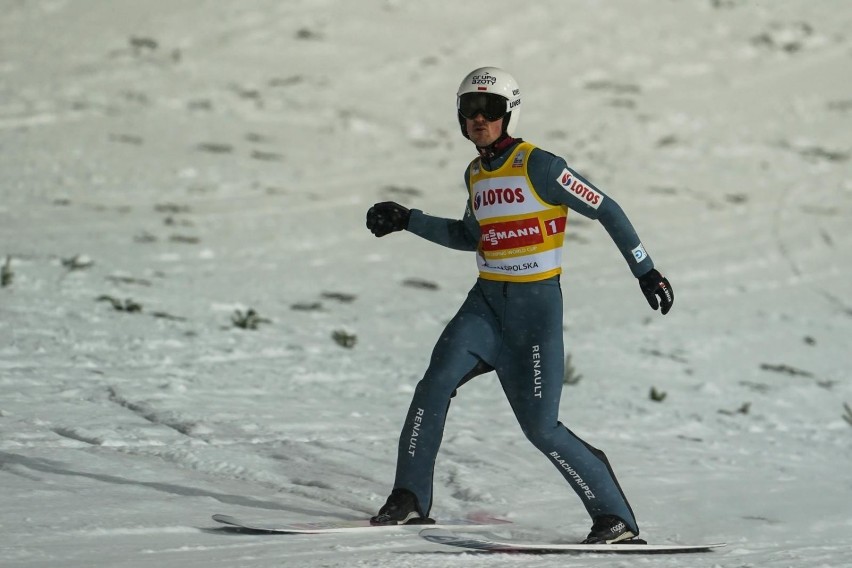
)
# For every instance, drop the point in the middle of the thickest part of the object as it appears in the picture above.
(511, 321)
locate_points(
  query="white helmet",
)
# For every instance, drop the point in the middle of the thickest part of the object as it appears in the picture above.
(494, 81)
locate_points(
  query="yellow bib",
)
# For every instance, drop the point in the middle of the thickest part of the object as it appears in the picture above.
(521, 235)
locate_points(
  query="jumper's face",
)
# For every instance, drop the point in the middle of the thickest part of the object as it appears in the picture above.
(483, 114)
(483, 132)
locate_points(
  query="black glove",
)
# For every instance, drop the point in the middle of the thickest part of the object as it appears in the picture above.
(654, 285)
(387, 217)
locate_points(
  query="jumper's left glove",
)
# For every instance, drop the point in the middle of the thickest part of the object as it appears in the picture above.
(387, 217)
(654, 285)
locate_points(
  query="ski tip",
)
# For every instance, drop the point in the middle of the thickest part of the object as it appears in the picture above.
(224, 519)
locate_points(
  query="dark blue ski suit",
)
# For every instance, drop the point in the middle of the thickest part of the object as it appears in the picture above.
(513, 324)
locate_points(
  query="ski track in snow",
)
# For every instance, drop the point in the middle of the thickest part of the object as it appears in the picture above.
(166, 168)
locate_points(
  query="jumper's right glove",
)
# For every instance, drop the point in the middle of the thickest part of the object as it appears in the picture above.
(387, 217)
(654, 285)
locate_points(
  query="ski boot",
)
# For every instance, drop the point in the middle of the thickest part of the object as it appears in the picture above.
(608, 529)
(401, 508)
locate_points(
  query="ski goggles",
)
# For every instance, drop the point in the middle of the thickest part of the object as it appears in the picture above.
(491, 106)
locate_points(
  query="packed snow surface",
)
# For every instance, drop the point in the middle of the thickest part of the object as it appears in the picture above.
(194, 319)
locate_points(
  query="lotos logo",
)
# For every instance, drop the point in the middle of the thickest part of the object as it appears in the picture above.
(497, 196)
(585, 193)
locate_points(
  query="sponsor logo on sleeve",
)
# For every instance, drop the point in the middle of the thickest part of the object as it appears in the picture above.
(639, 253)
(580, 190)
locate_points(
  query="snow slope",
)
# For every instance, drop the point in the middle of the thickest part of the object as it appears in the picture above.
(165, 167)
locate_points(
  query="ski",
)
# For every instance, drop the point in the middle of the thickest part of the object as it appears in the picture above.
(338, 526)
(474, 542)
